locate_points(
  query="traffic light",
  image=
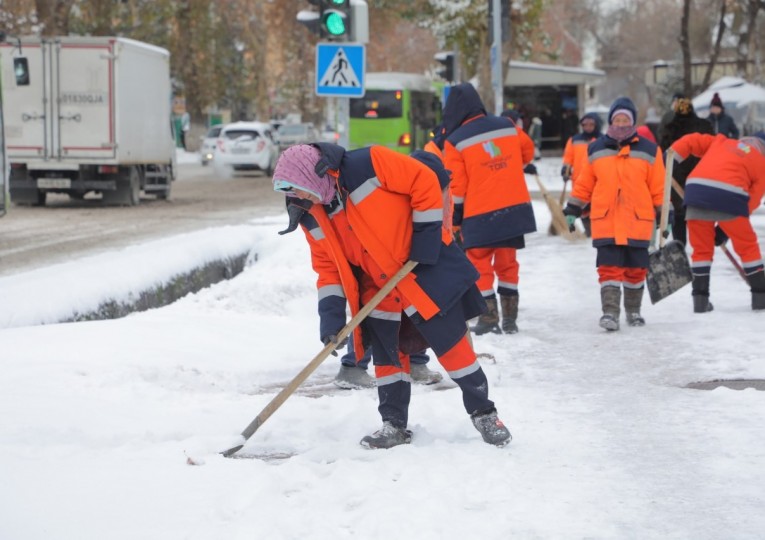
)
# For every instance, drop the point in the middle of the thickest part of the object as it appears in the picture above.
(448, 60)
(335, 19)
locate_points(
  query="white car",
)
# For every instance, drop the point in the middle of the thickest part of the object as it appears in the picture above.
(247, 146)
(208, 144)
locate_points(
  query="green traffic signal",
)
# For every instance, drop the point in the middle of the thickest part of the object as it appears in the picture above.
(335, 23)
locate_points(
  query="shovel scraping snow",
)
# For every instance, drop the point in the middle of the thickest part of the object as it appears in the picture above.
(668, 267)
(668, 271)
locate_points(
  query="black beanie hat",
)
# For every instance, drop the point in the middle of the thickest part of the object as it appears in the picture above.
(716, 101)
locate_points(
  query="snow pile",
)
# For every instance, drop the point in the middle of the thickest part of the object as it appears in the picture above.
(96, 418)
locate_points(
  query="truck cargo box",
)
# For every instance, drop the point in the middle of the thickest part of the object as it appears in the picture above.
(95, 116)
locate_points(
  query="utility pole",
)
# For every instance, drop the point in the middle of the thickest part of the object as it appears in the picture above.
(496, 56)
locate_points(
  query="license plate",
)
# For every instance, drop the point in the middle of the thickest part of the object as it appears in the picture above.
(240, 150)
(54, 183)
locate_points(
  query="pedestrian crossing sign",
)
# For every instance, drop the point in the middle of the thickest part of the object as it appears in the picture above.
(340, 69)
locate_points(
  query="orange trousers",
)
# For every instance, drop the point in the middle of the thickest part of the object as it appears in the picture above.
(501, 262)
(701, 235)
(616, 276)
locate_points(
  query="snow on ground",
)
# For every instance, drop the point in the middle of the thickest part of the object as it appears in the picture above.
(97, 418)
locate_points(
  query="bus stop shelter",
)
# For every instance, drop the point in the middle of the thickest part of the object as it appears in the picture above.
(557, 95)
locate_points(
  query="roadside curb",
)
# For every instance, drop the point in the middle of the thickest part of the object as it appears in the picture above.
(174, 288)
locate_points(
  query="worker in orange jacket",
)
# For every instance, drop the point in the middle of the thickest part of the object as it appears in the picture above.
(492, 206)
(623, 181)
(575, 156)
(726, 186)
(365, 213)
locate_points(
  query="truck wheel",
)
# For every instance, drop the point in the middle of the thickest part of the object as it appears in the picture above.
(28, 197)
(128, 192)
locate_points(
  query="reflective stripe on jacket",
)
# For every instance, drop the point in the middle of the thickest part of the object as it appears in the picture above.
(391, 212)
(729, 178)
(486, 155)
(623, 185)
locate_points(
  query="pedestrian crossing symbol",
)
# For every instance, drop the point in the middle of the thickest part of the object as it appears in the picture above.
(340, 69)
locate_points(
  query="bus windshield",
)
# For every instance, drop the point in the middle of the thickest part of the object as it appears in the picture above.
(378, 104)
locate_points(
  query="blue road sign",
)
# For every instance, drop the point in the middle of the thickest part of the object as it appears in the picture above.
(340, 69)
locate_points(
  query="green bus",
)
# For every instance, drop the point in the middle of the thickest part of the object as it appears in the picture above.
(398, 110)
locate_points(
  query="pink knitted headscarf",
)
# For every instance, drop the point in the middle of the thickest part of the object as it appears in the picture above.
(296, 165)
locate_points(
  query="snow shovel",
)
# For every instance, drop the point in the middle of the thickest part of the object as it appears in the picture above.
(669, 269)
(558, 219)
(285, 393)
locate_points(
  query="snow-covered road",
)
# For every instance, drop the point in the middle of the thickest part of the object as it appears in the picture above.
(96, 418)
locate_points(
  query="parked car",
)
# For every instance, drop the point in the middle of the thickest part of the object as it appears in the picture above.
(289, 134)
(329, 135)
(247, 146)
(209, 143)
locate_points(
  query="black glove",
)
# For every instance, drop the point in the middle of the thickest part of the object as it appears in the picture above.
(333, 339)
(457, 233)
(530, 169)
(565, 173)
(720, 236)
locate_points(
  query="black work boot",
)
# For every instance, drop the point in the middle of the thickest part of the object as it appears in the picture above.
(487, 322)
(757, 283)
(633, 298)
(610, 298)
(387, 437)
(701, 303)
(509, 313)
(491, 428)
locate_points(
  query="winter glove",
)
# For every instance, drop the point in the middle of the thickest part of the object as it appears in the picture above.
(333, 339)
(570, 220)
(720, 236)
(530, 169)
(457, 233)
(565, 173)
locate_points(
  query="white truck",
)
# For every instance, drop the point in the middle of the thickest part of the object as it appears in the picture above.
(93, 115)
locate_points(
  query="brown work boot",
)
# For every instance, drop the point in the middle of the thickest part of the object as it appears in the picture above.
(509, 313)
(610, 298)
(633, 298)
(488, 321)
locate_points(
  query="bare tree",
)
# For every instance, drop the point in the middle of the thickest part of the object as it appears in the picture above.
(686, 47)
(54, 16)
(721, 26)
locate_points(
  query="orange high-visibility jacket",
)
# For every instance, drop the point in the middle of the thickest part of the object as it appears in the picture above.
(390, 211)
(729, 178)
(486, 155)
(624, 186)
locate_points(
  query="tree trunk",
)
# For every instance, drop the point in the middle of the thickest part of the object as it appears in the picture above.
(686, 48)
(745, 37)
(718, 44)
(54, 16)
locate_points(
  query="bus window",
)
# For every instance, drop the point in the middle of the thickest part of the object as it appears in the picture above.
(378, 104)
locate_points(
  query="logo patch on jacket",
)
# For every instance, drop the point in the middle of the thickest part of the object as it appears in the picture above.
(745, 148)
(492, 149)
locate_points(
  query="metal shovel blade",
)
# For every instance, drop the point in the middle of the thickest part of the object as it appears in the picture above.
(668, 271)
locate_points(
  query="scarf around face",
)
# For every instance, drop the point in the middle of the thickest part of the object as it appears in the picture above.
(621, 133)
(296, 166)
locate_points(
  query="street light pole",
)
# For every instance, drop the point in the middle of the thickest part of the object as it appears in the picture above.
(496, 56)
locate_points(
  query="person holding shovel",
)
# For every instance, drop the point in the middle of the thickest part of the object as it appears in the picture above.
(492, 206)
(365, 213)
(623, 181)
(575, 156)
(725, 187)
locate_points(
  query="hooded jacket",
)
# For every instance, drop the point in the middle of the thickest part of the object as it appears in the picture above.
(575, 152)
(729, 178)
(624, 184)
(486, 155)
(389, 210)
